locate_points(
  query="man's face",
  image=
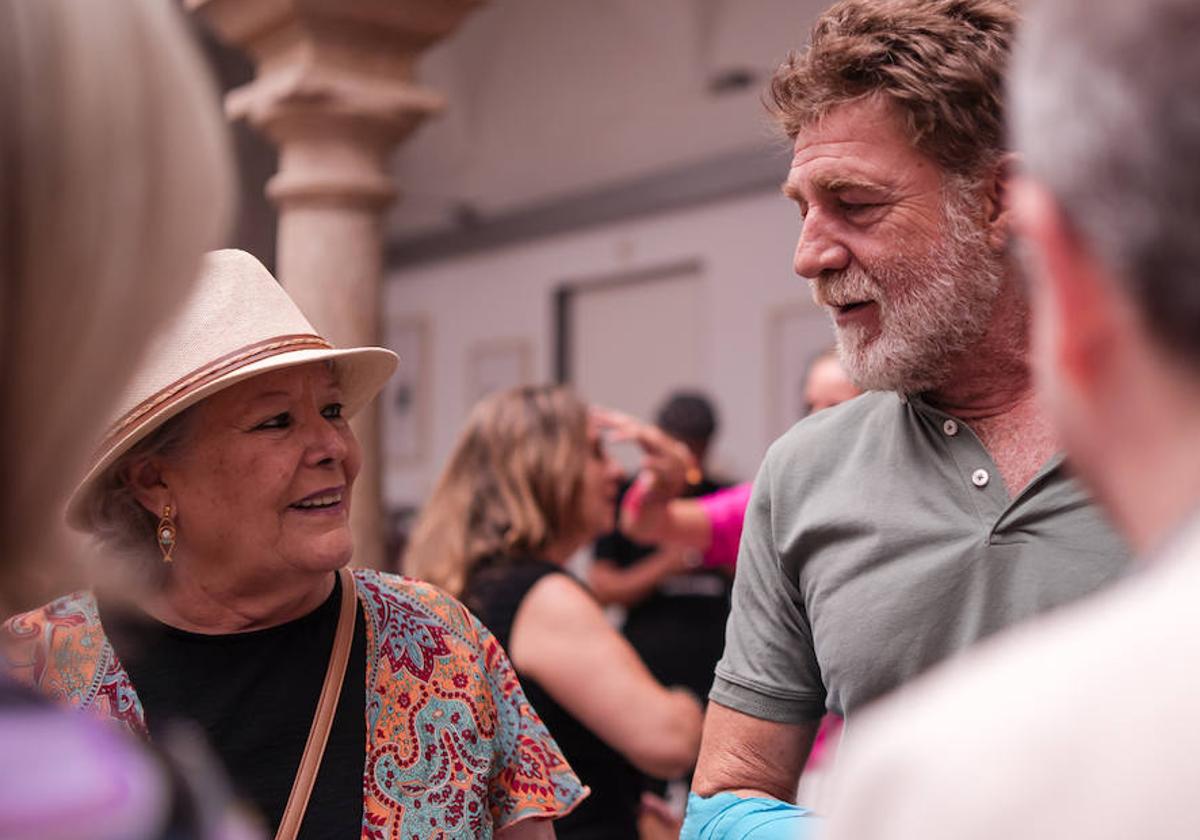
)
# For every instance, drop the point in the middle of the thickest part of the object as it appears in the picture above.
(893, 248)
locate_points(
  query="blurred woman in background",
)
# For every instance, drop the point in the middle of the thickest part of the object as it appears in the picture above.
(529, 483)
(115, 176)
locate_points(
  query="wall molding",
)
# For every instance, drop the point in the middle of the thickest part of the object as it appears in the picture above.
(717, 178)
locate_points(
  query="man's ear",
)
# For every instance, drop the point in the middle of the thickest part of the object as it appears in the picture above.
(1072, 293)
(998, 201)
(145, 479)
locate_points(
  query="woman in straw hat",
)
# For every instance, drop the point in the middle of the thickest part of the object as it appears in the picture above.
(528, 484)
(349, 703)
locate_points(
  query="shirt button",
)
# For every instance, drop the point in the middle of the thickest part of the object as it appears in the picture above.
(980, 478)
(950, 428)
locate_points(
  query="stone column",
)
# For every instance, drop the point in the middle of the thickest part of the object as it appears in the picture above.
(334, 91)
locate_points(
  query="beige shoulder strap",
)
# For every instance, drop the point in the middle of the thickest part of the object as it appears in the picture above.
(318, 733)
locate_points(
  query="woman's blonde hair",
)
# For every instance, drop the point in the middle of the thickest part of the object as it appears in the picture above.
(115, 177)
(513, 486)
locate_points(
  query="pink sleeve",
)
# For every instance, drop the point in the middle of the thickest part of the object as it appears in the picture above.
(725, 510)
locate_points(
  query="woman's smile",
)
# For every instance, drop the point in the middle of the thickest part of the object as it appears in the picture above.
(327, 501)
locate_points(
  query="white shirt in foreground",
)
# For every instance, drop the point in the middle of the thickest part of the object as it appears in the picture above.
(1083, 724)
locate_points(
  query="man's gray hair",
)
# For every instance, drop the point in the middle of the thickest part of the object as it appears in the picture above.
(1106, 111)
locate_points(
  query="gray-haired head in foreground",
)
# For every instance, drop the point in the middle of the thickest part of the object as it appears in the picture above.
(1105, 108)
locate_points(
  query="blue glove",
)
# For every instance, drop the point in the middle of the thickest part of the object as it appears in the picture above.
(729, 817)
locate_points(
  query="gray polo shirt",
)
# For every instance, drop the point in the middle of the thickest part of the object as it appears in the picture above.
(880, 540)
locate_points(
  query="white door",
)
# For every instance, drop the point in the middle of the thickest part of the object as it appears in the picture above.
(631, 342)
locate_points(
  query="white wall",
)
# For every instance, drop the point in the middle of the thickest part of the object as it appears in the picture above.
(548, 98)
(661, 328)
(745, 247)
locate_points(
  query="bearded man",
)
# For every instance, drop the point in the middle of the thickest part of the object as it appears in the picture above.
(1105, 97)
(891, 532)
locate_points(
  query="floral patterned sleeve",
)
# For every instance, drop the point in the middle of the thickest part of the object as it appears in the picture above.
(530, 777)
(454, 749)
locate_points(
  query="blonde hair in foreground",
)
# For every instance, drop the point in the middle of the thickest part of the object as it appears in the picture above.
(513, 486)
(115, 177)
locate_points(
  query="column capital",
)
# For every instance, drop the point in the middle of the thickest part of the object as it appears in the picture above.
(334, 86)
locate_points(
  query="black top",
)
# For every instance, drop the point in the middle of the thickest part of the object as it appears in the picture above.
(494, 592)
(255, 694)
(679, 629)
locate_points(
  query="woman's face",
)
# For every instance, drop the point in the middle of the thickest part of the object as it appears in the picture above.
(262, 484)
(601, 478)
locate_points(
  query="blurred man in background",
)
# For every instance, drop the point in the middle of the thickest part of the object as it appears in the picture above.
(676, 610)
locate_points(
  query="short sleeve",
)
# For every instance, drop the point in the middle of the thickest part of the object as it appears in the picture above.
(530, 778)
(769, 669)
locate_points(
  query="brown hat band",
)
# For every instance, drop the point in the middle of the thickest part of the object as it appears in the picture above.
(200, 377)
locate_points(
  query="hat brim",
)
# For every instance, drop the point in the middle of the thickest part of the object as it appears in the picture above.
(361, 373)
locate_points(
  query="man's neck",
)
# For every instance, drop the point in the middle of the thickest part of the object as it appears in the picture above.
(992, 391)
(977, 395)
(994, 379)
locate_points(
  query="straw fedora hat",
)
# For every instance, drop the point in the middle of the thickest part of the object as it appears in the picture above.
(238, 322)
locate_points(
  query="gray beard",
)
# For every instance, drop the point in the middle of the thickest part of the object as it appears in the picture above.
(937, 307)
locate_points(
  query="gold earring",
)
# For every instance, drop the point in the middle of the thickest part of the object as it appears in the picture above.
(166, 534)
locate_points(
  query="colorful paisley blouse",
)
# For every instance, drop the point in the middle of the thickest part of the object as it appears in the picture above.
(449, 732)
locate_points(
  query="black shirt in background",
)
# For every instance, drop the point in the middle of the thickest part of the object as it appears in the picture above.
(255, 694)
(679, 628)
(494, 592)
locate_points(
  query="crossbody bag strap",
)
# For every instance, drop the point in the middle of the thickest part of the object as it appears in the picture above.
(318, 733)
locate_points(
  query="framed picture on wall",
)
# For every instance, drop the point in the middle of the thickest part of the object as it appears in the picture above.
(796, 333)
(406, 398)
(497, 364)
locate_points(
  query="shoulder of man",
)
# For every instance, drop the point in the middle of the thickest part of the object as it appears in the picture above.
(827, 436)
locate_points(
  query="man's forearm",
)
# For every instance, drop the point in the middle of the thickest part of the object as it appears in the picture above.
(754, 757)
(745, 782)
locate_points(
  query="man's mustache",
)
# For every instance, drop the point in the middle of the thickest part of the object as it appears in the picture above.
(840, 288)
